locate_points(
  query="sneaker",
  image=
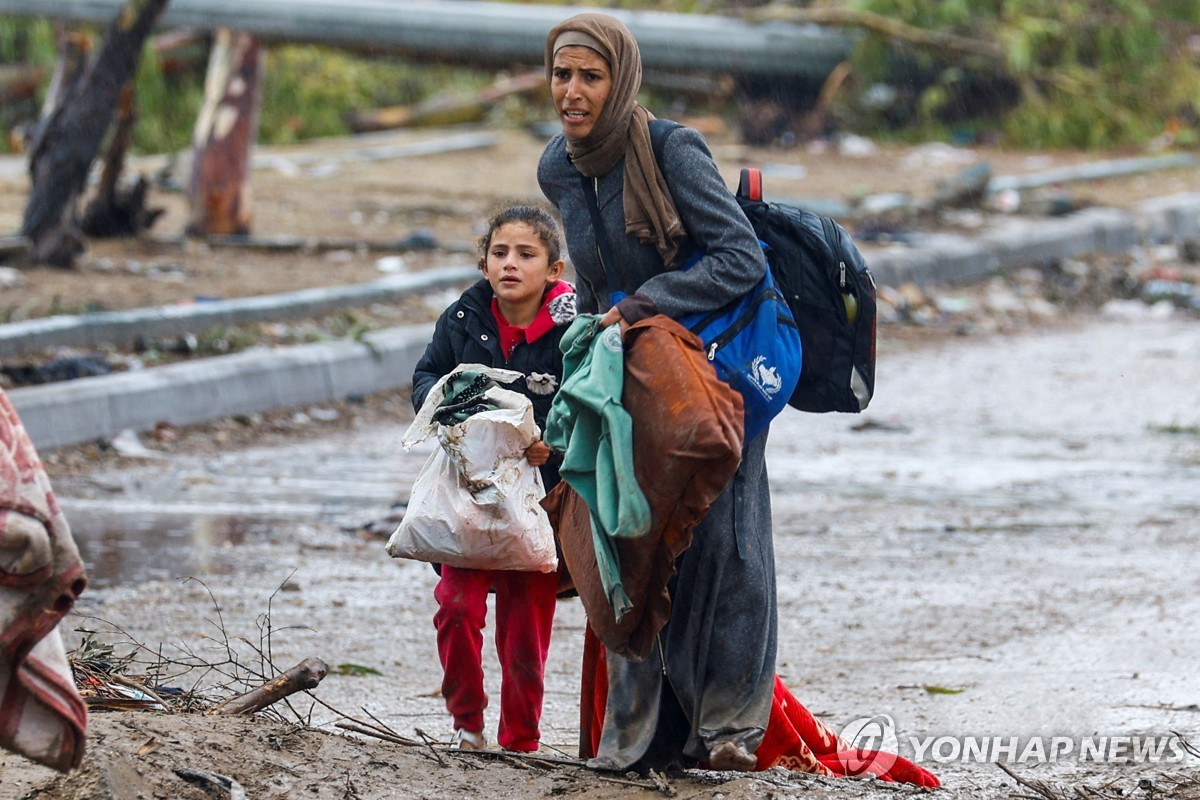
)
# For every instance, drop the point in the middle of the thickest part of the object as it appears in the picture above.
(731, 757)
(468, 740)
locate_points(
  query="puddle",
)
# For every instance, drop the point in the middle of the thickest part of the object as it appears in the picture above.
(197, 515)
(127, 548)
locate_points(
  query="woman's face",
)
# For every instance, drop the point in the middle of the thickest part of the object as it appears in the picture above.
(580, 82)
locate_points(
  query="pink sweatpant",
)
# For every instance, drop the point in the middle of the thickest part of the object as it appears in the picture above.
(524, 617)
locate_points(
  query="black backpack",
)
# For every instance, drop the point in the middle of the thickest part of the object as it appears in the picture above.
(828, 287)
(831, 293)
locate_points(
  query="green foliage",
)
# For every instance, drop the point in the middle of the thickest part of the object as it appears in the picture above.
(355, 670)
(26, 41)
(1176, 429)
(309, 90)
(24, 44)
(167, 105)
(226, 339)
(1074, 73)
(98, 656)
(935, 689)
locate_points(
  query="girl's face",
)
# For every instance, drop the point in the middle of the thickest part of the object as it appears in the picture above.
(580, 82)
(518, 267)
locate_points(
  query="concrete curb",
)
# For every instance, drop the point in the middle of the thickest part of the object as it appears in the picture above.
(1012, 242)
(62, 414)
(124, 327)
(58, 415)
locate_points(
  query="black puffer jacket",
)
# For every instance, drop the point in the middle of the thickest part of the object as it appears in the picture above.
(467, 333)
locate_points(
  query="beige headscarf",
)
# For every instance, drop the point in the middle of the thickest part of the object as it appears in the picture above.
(622, 130)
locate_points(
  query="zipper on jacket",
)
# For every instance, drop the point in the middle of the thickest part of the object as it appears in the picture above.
(596, 236)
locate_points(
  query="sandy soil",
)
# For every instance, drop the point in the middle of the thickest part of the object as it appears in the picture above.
(1008, 524)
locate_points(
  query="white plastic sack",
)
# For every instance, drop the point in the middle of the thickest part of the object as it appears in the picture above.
(476, 502)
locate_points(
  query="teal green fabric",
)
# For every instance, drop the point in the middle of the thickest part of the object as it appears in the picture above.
(595, 433)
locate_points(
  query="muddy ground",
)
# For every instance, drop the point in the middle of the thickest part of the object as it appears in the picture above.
(999, 548)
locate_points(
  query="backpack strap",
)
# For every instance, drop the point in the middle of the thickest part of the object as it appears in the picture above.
(614, 284)
(660, 131)
(750, 184)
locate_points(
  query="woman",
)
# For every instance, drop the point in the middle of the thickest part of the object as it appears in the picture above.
(705, 693)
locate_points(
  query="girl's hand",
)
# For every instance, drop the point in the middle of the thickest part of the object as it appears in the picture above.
(612, 317)
(537, 454)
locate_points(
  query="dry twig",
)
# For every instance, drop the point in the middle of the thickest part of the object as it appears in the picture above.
(1041, 789)
(366, 730)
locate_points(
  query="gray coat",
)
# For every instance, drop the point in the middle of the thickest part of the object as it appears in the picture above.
(719, 645)
(733, 262)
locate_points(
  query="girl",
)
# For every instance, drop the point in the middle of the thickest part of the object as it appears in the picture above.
(513, 318)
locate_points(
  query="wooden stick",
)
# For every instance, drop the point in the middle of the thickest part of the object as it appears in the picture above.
(358, 727)
(305, 675)
(534, 758)
(1036, 786)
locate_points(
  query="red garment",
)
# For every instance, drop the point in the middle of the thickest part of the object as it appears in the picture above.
(543, 323)
(794, 738)
(524, 617)
(797, 740)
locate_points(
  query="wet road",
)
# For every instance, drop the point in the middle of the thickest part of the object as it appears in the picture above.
(1015, 519)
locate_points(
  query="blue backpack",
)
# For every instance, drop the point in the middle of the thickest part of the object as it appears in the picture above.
(754, 345)
(753, 342)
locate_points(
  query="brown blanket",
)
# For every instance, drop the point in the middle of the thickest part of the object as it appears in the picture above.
(687, 438)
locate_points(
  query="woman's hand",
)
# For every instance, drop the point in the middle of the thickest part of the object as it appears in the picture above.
(537, 453)
(613, 317)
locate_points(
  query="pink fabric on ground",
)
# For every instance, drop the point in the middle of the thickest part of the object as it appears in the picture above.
(42, 715)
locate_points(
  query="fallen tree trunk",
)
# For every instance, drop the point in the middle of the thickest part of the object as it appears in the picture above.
(67, 141)
(221, 202)
(305, 675)
(887, 26)
(447, 109)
